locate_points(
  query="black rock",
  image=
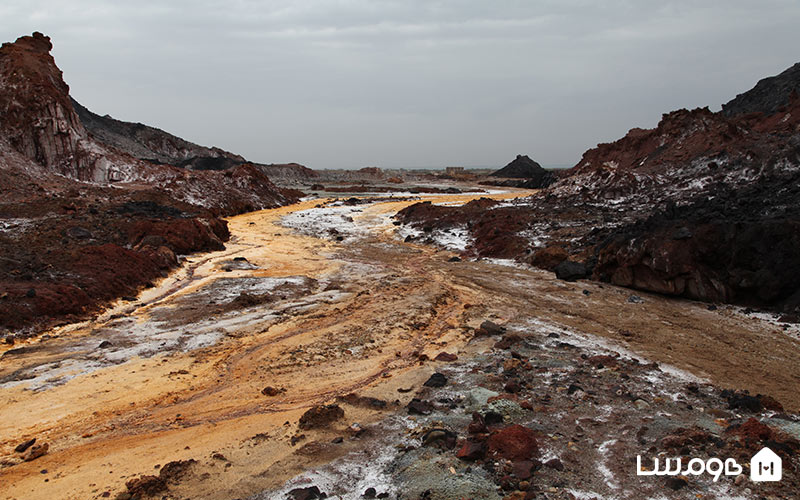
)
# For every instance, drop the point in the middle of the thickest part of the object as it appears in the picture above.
(522, 167)
(491, 328)
(104, 344)
(554, 464)
(492, 418)
(570, 270)
(436, 380)
(419, 407)
(454, 259)
(24, 446)
(31, 293)
(369, 493)
(768, 96)
(742, 401)
(310, 493)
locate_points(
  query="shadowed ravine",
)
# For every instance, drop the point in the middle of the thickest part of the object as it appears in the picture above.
(179, 373)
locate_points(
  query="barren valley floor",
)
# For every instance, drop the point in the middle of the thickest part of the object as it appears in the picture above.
(183, 372)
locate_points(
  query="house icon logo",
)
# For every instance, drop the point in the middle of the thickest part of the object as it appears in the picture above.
(766, 465)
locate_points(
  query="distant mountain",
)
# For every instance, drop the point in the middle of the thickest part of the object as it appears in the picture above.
(532, 174)
(522, 167)
(768, 96)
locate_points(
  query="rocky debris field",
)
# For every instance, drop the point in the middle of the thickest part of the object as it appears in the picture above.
(542, 412)
(65, 257)
(702, 206)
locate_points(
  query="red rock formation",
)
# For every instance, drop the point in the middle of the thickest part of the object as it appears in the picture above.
(38, 118)
(69, 242)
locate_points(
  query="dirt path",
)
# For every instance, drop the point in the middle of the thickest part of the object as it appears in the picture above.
(183, 371)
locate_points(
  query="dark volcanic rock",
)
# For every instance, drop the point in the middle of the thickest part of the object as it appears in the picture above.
(321, 416)
(24, 445)
(745, 248)
(768, 96)
(419, 407)
(445, 356)
(522, 167)
(436, 380)
(146, 486)
(309, 493)
(490, 328)
(569, 270)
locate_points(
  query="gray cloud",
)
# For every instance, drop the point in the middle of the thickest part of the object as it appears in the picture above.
(407, 83)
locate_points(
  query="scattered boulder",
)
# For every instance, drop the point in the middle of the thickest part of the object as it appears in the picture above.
(675, 483)
(363, 401)
(174, 471)
(444, 356)
(569, 270)
(514, 442)
(309, 493)
(549, 257)
(24, 445)
(321, 416)
(36, 451)
(442, 438)
(272, 391)
(742, 400)
(436, 380)
(419, 407)
(489, 328)
(472, 450)
(146, 486)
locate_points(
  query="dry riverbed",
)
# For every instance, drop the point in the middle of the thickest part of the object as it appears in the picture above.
(323, 303)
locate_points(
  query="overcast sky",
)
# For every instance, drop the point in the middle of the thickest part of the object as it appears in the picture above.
(408, 83)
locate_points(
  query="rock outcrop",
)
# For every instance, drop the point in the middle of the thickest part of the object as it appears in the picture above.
(69, 240)
(769, 96)
(531, 174)
(42, 123)
(38, 119)
(152, 144)
(700, 207)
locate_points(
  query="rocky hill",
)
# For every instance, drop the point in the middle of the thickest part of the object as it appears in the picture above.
(522, 167)
(699, 206)
(84, 218)
(153, 144)
(41, 122)
(769, 95)
(526, 172)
